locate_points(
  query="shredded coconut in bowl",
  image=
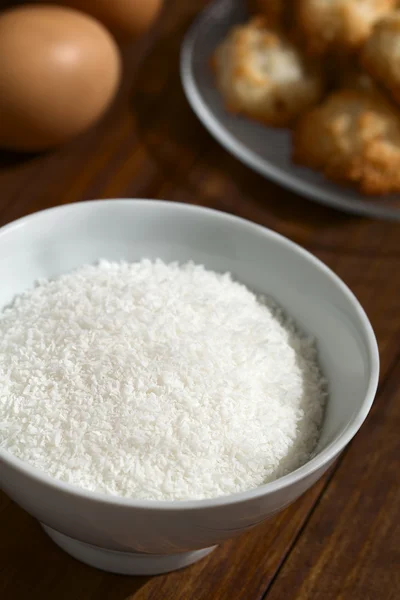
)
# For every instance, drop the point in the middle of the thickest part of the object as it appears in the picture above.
(156, 381)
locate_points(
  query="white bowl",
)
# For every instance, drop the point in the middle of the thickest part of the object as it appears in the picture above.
(145, 537)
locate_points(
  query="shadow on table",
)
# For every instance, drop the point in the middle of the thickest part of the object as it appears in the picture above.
(10, 159)
(120, 587)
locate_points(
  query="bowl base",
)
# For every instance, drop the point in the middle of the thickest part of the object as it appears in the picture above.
(125, 563)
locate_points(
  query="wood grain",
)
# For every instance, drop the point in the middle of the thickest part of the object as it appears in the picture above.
(342, 538)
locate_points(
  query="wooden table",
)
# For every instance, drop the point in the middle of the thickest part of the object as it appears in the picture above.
(342, 538)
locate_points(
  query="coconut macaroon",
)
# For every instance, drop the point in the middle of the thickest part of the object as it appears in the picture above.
(262, 75)
(354, 137)
(381, 54)
(341, 25)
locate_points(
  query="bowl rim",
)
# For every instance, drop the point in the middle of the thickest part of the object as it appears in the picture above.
(323, 458)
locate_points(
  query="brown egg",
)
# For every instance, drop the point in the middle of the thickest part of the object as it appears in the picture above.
(127, 19)
(59, 71)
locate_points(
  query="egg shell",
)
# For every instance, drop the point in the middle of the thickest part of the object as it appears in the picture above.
(60, 70)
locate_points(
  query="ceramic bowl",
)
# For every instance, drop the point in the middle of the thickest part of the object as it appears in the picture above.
(146, 537)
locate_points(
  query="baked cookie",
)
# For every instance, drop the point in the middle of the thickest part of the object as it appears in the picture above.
(380, 55)
(262, 75)
(353, 136)
(341, 25)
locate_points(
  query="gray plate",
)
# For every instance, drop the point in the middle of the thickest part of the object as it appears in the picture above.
(265, 150)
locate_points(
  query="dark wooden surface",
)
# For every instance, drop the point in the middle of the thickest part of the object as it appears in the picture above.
(341, 539)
